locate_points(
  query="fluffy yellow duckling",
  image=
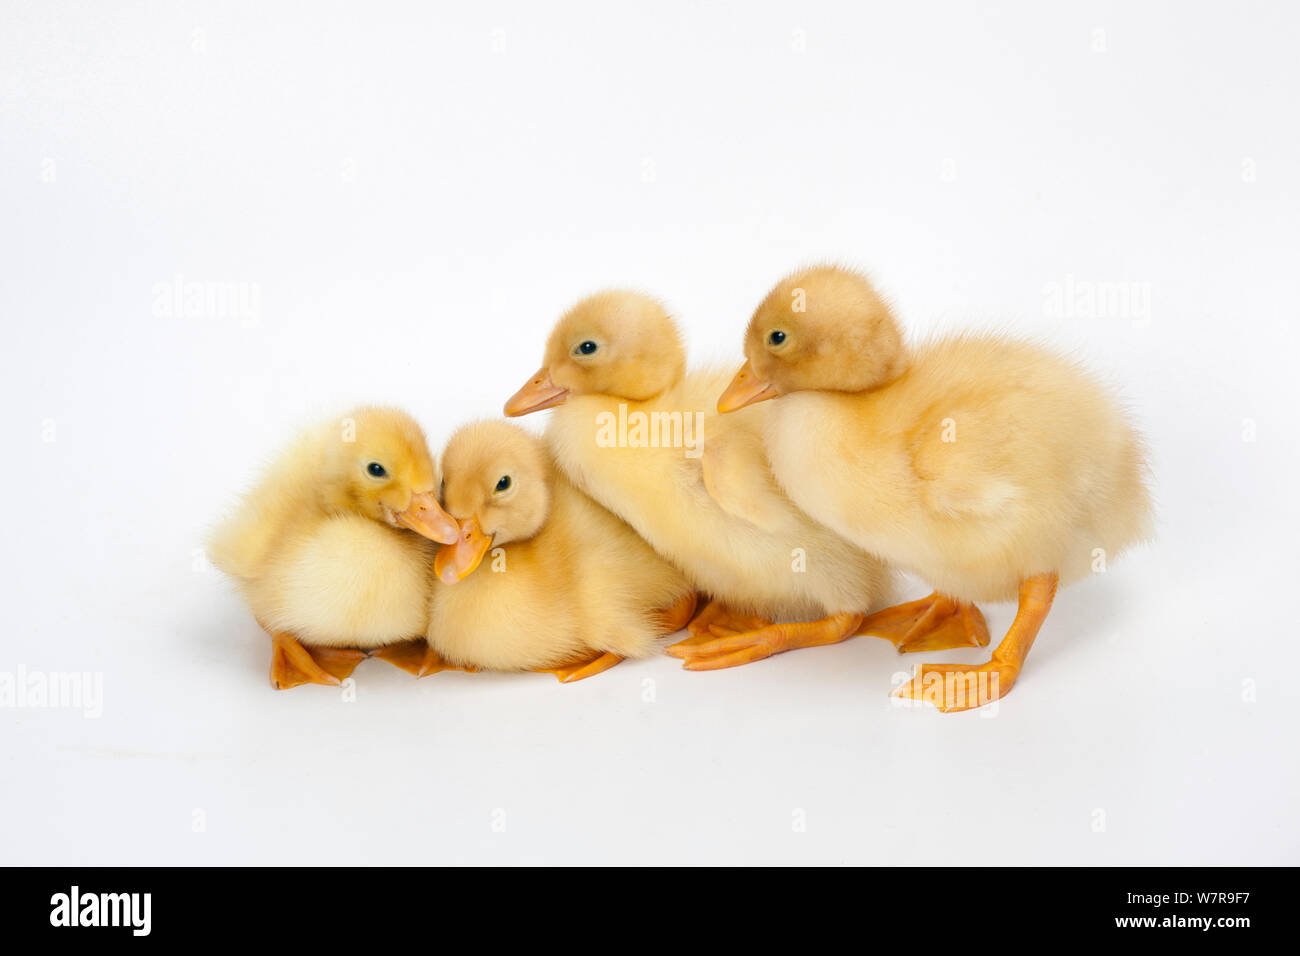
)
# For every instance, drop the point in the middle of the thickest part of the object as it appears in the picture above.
(570, 589)
(331, 548)
(988, 466)
(641, 436)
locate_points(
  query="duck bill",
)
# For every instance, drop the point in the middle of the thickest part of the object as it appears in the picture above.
(539, 393)
(457, 561)
(425, 516)
(745, 389)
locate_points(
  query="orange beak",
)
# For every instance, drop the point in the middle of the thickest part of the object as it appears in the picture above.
(745, 389)
(539, 393)
(457, 561)
(425, 516)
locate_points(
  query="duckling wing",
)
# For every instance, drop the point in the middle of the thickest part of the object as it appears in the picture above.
(737, 476)
(965, 463)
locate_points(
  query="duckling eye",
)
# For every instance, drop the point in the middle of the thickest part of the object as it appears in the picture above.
(376, 470)
(587, 347)
(776, 337)
(504, 483)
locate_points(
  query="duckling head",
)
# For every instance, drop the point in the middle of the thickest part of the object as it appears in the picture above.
(821, 328)
(617, 343)
(497, 482)
(378, 465)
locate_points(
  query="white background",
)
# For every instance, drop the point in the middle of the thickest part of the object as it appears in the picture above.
(416, 192)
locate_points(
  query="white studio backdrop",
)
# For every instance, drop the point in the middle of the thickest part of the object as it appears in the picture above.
(221, 221)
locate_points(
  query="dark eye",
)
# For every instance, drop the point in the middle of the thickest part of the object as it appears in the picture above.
(504, 483)
(587, 347)
(376, 470)
(776, 337)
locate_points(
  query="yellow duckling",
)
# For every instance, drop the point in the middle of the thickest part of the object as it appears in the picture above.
(323, 550)
(988, 466)
(632, 429)
(570, 589)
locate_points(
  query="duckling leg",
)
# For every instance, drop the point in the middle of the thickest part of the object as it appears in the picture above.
(954, 687)
(416, 657)
(750, 646)
(580, 670)
(935, 623)
(293, 664)
(676, 616)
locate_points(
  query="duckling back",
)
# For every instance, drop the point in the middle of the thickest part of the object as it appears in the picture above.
(991, 459)
(242, 544)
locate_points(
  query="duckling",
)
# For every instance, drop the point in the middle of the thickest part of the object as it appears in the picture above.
(571, 590)
(634, 430)
(331, 549)
(987, 465)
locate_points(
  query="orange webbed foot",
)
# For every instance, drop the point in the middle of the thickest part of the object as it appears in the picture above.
(956, 687)
(727, 648)
(293, 663)
(580, 670)
(715, 620)
(417, 657)
(934, 623)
